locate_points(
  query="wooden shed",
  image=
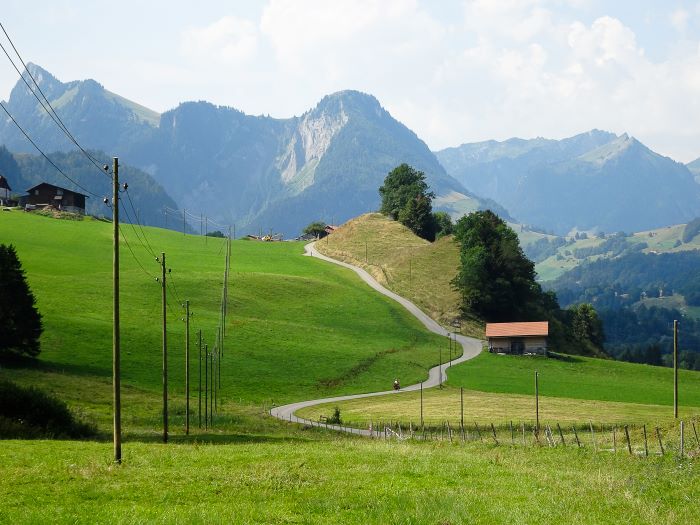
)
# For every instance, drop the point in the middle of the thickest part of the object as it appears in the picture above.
(5, 191)
(518, 338)
(63, 199)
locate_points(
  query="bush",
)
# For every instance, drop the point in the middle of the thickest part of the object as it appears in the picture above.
(32, 413)
(335, 418)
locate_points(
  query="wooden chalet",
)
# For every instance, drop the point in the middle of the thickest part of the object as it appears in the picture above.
(5, 191)
(45, 194)
(518, 338)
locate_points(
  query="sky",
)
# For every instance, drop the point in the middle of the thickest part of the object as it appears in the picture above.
(452, 71)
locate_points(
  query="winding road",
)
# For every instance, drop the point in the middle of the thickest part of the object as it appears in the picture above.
(470, 346)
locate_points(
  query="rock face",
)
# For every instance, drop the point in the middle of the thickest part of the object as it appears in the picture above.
(593, 181)
(253, 171)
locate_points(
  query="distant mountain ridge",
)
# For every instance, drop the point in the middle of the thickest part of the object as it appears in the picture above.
(593, 181)
(257, 172)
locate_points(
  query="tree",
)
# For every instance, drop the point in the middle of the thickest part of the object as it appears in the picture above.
(586, 325)
(21, 321)
(316, 228)
(443, 224)
(495, 279)
(405, 197)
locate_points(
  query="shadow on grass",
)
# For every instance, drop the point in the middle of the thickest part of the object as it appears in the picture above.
(28, 363)
(566, 358)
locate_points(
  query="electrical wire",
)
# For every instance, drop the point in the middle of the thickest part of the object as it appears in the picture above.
(121, 231)
(51, 112)
(44, 154)
(143, 232)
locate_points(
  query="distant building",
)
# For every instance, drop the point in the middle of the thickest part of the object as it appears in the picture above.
(330, 229)
(46, 194)
(5, 191)
(518, 338)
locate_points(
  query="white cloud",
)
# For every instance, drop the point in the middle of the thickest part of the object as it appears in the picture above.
(229, 39)
(679, 19)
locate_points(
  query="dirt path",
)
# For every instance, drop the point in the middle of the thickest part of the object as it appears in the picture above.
(470, 346)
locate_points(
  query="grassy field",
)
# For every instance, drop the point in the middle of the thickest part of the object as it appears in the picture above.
(341, 481)
(298, 327)
(410, 266)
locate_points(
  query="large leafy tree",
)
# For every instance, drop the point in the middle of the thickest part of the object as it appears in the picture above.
(405, 197)
(495, 279)
(21, 322)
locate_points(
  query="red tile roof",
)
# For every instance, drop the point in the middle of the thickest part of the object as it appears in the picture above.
(517, 329)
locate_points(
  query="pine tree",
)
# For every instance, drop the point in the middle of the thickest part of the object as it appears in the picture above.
(21, 322)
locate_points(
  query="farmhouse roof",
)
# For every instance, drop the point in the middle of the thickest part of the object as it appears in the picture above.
(4, 183)
(54, 186)
(539, 328)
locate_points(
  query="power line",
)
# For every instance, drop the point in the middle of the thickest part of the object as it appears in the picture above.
(134, 255)
(131, 203)
(51, 112)
(44, 154)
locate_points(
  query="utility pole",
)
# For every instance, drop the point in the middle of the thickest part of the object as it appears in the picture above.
(183, 221)
(201, 223)
(675, 369)
(206, 386)
(441, 366)
(199, 390)
(537, 401)
(461, 405)
(206, 225)
(165, 349)
(116, 343)
(421, 403)
(187, 367)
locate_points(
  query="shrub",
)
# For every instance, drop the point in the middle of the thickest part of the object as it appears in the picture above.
(335, 418)
(32, 413)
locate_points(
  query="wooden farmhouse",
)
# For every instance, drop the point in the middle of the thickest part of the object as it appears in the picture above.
(518, 338)
(5, 191)
(46, 194)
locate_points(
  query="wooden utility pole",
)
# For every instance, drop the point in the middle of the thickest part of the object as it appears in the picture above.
(199, 390)
(206, 386)
(116, 343)
(675, 369)
(165, 348)
(183, 221)
(421, 403)
(206, 226)
(461, 405)
(187, 367)
(537, 401)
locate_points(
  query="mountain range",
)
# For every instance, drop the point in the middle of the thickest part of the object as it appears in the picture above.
(254, 171)
(595, 181)
(264, 173)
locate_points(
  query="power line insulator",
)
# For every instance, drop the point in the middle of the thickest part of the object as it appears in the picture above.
(105, 167)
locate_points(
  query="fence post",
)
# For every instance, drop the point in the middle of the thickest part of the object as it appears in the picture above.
(522, 426)
(695, 431)
(629, 443)
(614, 440)
(561, 435)
(682, 439)
(493, 429)
(512, 434)
(661, 445)
(573, 427)
(449, 431)
(646, 447)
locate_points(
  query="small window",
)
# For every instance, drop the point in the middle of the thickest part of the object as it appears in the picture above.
(59, 191)
(36, 192)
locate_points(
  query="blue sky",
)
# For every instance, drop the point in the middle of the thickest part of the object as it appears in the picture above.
(453, 71)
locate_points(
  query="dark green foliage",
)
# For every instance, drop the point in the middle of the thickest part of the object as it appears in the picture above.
(691, 230)
(335, 418)
(405, 197)
(317, 228)
(31, 413)
(443, 224)
(215, 233)
(402, 185)
(417, 216)
(586, 324)
(20, 328)
(495, 279)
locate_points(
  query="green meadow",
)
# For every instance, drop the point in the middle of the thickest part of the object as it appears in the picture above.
(298, 328)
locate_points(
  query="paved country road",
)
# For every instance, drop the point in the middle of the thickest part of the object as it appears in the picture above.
(471, 348)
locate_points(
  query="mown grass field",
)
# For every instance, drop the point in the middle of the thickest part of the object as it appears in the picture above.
(406, 264)
(341, 481)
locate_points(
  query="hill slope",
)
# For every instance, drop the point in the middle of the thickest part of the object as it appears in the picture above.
(593, 181)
